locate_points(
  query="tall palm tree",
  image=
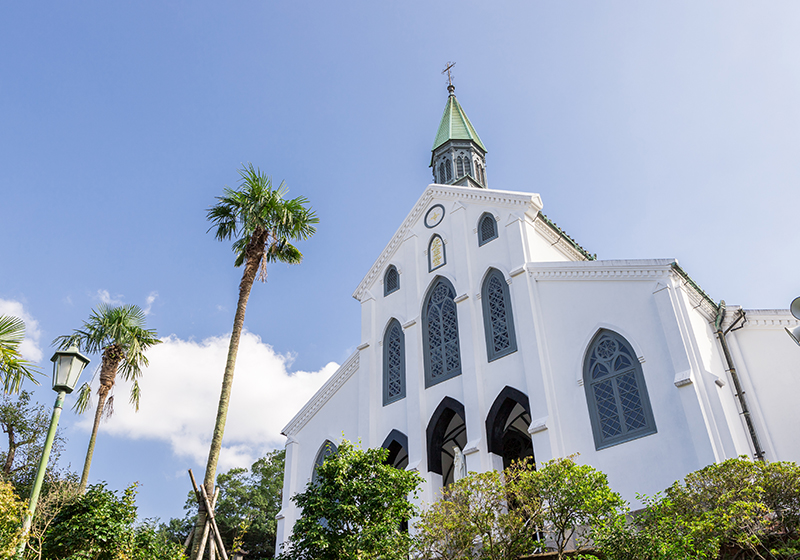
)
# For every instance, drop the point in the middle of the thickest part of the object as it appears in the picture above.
(263, 224)
(13, 367)
(120, 334)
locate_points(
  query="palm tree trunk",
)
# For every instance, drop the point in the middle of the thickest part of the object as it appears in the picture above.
(98, 415)
(255, 252)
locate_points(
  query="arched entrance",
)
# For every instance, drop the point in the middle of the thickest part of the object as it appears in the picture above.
(397, 444)
(507, 426)
(446, 430)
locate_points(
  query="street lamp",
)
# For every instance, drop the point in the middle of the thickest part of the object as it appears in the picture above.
(67, 367)
(795, 308)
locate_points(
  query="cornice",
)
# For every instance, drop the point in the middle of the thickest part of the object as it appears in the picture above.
(527, 202)
(323, 395)
(770, 319)
(644, 269)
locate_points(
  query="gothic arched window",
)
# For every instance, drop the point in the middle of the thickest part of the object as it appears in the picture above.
(467, 167)
(616, 393)
(459, 167)
(391, 280)
(394, 363)
(498, 319)
(487, 229)
(442, 176)
(440, 334)
(328, 448)
(448, 169)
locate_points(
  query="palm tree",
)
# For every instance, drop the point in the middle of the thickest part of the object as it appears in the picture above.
(13, 368)
(120, 334)
(263, 224)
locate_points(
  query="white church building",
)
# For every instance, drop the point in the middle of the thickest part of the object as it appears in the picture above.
(485, 327)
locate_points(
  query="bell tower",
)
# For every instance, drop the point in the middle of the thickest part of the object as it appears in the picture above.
(458, 156)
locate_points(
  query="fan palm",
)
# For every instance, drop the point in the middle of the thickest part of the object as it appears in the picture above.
(263, 224)
(120, 334)
(13, 368)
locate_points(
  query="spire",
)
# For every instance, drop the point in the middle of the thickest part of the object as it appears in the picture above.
(458, 155)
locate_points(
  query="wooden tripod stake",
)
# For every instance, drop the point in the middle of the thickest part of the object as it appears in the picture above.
(211, 522)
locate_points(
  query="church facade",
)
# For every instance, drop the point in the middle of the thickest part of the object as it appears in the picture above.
(488, 334)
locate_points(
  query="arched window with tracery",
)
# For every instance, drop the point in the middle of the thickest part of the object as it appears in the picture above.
(467, 167)
(487, 229)
(616, 393)
(394, 363)
(448, 169)
(442, 175)
(440, 334)
(391, 280)
(498, 319)
(459, 166)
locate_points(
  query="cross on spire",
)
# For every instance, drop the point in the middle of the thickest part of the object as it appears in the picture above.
(450, 87)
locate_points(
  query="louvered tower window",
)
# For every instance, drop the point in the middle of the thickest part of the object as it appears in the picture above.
(391, 281)
(498, 319)
(394, 363)
(467, 167)
(448, 169)
(440, 334)
(459, 167)
(487, 229)
(442, 176)
(619, 407)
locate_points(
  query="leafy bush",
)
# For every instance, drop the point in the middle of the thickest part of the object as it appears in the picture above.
(11, 512)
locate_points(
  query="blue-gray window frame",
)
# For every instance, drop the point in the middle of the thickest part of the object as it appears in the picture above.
(484, 240)
(426, 350)
(394, 323)
(326, 450)
(488, 327)
(588, 384)
(386, 290)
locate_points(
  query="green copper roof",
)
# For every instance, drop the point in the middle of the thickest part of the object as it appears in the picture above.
(455, 125)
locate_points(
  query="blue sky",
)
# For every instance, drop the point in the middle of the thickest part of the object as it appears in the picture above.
(658, 129)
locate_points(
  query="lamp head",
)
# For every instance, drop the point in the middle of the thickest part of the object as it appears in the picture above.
(795, 307)
(795, 334)
(67, 367)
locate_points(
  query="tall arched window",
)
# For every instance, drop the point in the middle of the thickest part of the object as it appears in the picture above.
(448, 169)
(467, 167)
(459, 167)
(391, 280)
(394, 363)
(616, 393)
(442, 175)
(498, 319)
(328, 448)
(440, 334)
(487, 229)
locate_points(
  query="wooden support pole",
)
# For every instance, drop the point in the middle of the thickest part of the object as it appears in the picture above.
(211, 520)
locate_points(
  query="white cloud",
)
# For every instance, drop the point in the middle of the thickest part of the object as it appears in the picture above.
(106, 297)
(31, 347)
(148, 306)
(180, 392)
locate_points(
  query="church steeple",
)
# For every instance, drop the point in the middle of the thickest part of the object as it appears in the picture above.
(458, 156)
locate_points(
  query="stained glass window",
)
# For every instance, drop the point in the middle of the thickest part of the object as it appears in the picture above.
(440, 333)
(498, 319)
(391, 281)
(487, 229)
(394, 363)
(615, 390)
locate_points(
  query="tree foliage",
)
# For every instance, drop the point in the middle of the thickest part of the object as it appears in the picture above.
(735, 509)
(473, 520)
(11, 512)
(101, 525)
(355, 509)
(13, 367)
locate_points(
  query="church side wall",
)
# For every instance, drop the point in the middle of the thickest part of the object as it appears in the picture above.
(768, 364)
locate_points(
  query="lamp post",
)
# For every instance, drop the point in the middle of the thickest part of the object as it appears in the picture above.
(67, 367)
(795, 308)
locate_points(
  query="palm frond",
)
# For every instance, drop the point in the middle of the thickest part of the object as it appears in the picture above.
(84, 399)
(14, 369)
(135, 394)
(108, 408)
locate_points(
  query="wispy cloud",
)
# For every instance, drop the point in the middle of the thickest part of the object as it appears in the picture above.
(31, 347)
(180, 392)
(107, 298)
(148, 305)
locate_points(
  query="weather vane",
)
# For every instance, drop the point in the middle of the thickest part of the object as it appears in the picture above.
(450, 86)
